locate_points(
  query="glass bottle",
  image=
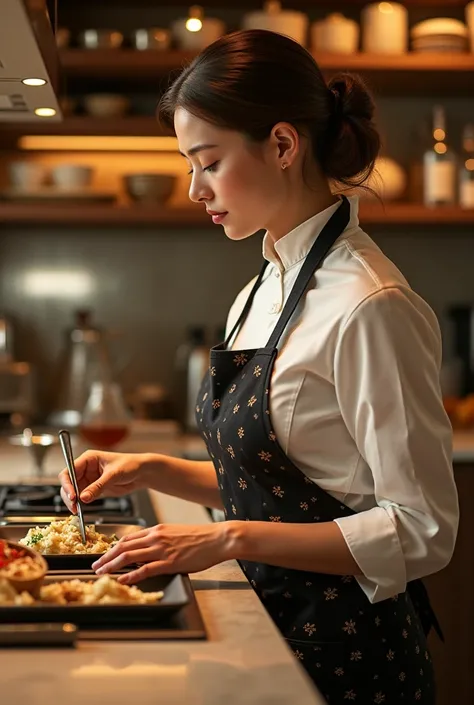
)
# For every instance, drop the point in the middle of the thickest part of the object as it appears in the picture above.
(466, 170)
(439, 165)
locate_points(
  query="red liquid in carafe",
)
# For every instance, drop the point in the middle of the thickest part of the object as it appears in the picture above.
(104, 436)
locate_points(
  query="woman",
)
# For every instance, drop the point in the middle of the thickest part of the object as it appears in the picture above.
(322, 410)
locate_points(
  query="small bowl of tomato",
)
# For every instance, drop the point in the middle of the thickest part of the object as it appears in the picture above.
(23, 567)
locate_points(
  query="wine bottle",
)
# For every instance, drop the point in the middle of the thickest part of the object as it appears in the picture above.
(466, 170)
(439, 165)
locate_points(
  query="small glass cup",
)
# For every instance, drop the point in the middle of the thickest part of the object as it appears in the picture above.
(105, 419)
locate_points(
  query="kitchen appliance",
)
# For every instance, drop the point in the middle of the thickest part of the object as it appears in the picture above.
(34, 503)
(28, 50)
(40, 503)
(462, 317)
(85, 360)
(191, 363)
(335, 34)
(289, 22)
(17, 389)
(385, 28)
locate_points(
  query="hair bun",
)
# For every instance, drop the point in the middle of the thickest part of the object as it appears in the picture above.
(354, 142)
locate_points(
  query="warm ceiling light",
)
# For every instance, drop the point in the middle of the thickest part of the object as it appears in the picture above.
(193, 24)
(439, 134)
(440, 148)
(34, 81)
(45, 112)
(96, 143)
(469, 164)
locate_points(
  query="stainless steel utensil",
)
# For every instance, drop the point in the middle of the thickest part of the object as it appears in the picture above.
(65, 441)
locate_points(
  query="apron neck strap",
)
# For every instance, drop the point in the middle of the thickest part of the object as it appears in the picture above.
(323, 243)
(247, 306)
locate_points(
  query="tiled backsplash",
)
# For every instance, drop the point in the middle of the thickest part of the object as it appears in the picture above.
(149, 285)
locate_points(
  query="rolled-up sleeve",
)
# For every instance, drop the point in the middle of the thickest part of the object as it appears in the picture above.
(386, 374)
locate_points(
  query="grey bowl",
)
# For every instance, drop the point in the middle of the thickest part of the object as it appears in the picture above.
(149, 188)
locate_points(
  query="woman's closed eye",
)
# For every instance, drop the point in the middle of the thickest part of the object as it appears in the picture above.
(211, 168)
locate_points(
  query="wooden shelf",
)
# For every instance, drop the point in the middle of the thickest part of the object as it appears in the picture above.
(142, 125)
(439, 73)
(390, 214)
(256, 4)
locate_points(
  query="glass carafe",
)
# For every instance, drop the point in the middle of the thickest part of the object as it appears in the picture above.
(105, 418)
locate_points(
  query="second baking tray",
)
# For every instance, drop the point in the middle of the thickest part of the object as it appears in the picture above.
(75, 561)
(86, 616)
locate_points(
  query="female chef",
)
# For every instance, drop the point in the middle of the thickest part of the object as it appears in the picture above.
(322, 413)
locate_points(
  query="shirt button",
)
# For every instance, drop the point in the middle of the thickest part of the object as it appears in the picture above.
(277, 274)
(275, 308)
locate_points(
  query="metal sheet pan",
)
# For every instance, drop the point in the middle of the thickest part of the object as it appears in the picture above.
(58, 561)
(132, 616)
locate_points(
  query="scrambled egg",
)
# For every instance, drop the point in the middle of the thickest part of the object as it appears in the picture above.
(104, 591)
(62, 536)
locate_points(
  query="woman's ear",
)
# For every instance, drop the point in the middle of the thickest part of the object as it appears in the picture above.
(286, 140)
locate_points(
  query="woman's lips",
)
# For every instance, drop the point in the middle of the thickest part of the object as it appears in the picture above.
(217, 218)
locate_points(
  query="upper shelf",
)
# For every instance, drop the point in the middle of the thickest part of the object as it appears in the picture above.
(407, 73)
(387, 215)
(238, 4)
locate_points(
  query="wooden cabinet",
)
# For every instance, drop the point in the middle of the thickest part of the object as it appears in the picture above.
(452, 596)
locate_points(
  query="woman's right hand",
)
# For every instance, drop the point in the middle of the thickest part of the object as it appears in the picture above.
(100, 473)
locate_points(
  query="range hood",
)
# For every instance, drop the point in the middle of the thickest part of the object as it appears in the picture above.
(27, 50)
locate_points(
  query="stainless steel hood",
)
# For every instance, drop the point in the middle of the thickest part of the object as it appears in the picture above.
(27, 50)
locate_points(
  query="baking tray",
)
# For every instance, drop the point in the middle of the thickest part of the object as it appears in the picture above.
(59, 561)
(175, 597)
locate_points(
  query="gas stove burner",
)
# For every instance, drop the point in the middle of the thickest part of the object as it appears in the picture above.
(31, 496)
(37, 500)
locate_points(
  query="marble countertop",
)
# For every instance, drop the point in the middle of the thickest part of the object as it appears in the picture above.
(243, 662)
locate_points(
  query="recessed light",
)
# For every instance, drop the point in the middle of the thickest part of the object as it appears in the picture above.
(45, 112)
(34, 81)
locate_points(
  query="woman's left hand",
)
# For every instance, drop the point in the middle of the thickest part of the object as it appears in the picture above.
(166, 548)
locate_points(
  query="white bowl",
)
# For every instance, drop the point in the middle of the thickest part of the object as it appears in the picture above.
(71, 177)
(335, 34)
(291, 23)
(439, 25)
(27, 176)
(106, 105)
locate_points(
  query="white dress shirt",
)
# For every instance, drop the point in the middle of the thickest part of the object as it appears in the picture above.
(355, 399)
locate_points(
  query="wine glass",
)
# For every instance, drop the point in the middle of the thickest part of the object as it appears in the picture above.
(105, 419)
(38, 444)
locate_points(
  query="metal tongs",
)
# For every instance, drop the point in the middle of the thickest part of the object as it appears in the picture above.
(65, 441)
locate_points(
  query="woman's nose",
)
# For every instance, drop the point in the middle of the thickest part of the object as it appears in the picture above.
(198, 190)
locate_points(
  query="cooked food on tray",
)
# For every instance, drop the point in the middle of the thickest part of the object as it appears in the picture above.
(104, 591)
(62, 536)
(16, 564)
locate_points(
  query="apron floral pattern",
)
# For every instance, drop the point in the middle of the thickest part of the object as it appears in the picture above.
(353, 650)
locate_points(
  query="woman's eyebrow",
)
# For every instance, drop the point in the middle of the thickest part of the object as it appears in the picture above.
(198, 148)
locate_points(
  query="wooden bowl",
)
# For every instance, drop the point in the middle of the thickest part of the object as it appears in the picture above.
(31, 584)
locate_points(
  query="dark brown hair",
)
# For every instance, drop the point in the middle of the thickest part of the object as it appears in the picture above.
(250, 80)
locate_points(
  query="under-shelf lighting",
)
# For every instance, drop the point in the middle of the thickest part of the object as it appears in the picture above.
(97, 143)
(45, 112)
(34, 81)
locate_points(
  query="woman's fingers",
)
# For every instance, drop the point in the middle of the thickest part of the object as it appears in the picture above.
(70, 504)
(125, 545)
(145, 571)
(139, 555)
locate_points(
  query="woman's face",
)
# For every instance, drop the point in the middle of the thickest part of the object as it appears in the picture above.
(239, 182)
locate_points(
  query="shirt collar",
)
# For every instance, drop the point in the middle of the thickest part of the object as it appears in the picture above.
(295, 245)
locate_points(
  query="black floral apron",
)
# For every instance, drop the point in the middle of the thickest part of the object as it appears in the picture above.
(352, 649)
